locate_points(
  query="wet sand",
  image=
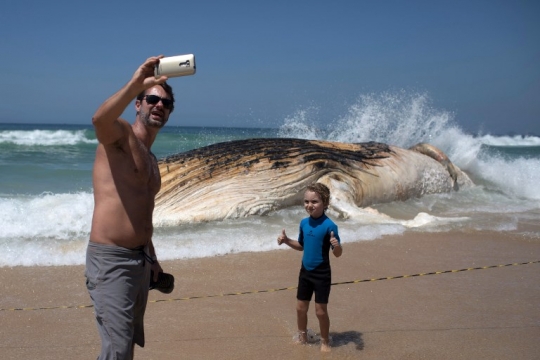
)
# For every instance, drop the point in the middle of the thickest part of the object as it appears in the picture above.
(491, 313)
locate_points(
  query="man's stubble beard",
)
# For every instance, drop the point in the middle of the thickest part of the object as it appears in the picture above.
(147, 121)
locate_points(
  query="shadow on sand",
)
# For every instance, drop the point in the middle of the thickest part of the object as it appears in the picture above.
(346, 337)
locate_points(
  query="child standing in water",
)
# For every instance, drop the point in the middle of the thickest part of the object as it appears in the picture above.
(318, 234)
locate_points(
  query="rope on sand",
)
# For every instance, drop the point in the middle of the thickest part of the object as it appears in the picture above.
(285, 288)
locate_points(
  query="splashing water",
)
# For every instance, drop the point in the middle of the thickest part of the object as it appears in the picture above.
(404, 119)
(397, 119)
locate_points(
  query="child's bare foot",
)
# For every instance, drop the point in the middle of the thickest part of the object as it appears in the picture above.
(301, 338)
(325, 345)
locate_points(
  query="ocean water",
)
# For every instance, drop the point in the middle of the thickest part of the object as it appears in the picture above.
(46, 200)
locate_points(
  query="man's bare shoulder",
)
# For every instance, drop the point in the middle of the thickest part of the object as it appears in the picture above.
(119, 138)
(113, 134)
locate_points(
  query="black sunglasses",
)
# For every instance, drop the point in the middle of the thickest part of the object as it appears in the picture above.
(154, 99)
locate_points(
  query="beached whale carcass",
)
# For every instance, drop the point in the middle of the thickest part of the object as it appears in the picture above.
(254, 176)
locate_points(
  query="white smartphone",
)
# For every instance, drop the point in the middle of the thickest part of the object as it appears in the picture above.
(173, 66)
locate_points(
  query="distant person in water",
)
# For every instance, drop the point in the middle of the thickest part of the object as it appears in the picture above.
(120, 254)
(318, 234)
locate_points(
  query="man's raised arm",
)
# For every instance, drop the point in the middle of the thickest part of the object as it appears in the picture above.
(105, 120)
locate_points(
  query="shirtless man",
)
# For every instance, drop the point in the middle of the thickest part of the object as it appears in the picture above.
(126, 180)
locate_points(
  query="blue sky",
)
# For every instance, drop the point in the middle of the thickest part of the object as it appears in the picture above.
(260, 61)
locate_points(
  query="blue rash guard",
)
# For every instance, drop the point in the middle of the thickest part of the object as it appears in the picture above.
(314, 237)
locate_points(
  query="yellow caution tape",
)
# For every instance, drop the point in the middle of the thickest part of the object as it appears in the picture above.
(285, 288)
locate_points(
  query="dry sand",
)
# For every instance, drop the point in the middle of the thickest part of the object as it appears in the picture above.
(489, 313)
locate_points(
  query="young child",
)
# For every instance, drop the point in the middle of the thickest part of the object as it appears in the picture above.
(318, 234)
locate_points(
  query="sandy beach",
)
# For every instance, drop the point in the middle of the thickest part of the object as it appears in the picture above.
(238, 306)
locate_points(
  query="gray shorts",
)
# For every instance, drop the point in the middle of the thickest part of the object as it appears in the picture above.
(118, 280)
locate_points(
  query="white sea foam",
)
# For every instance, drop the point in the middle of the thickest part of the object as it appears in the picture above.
(516, 140)
(51, 229)
(519, 177)
(53, 216)
(45, 137)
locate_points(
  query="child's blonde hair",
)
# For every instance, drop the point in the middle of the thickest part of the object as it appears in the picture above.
(323, 192)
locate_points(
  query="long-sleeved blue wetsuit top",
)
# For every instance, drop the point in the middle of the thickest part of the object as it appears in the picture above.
(314, 237)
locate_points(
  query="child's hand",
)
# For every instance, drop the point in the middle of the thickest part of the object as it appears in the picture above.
(281, 238)
(333, 239)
